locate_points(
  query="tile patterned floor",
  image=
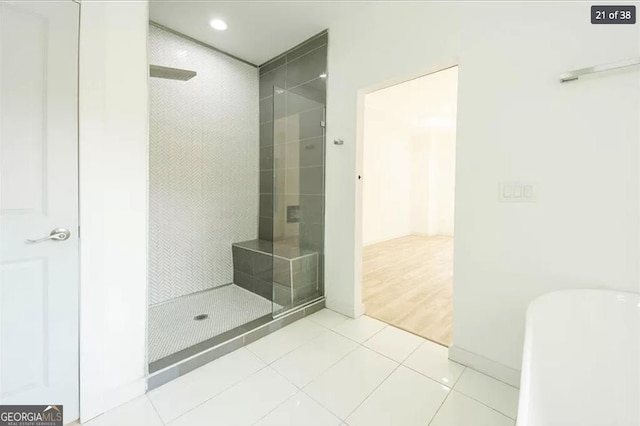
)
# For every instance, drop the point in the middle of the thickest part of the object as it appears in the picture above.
(327, 370)
(172, 327)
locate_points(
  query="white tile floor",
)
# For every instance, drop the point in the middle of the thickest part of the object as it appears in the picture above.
(327, 370)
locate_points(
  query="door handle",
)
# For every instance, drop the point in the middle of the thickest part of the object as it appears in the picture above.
(58, 234)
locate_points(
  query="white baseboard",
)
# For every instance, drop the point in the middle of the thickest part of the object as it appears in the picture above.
(485, 365)
(344, 309)
(114, 398)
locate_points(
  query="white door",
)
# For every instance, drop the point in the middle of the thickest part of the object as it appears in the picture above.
(39, 193)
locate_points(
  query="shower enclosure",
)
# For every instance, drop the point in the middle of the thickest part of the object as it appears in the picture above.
(236, 192)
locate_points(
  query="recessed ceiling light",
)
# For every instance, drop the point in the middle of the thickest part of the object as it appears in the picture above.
(218, 24)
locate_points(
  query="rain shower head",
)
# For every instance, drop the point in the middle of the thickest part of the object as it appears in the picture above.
(171, 73)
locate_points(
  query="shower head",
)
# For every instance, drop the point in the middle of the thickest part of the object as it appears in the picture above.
(171, 73)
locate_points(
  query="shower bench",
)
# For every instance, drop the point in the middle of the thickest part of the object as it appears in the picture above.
(281, 272)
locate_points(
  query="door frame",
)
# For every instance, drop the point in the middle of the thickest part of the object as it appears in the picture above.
(113, 161)
(359, 308)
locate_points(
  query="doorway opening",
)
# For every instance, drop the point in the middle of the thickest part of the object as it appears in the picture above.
(408, 204)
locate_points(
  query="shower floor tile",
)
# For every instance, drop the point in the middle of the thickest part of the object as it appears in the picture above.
(172, 327)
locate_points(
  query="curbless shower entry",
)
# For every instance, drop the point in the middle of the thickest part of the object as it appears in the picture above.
(236, 197)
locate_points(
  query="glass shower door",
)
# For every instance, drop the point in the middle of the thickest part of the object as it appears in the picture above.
(298, 196)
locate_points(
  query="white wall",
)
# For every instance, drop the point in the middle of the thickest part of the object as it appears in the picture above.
(419, 184)
(408, 179)
(441, 154)
(577, 141)
(113, 201)
(409, 158)
(387, 174)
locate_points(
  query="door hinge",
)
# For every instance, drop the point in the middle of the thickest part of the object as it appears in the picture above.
(323, 124)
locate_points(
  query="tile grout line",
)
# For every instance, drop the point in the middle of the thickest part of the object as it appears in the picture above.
(441, 404)
(481, 402)
(431, 378)
(283, 402)
(374, 389)
(494, 378)
(154, 408)
(287, 353)
(358, 345)
(332, 365)
(302, 389)
(427, 377)
(266, 365)
(464, 368)
(306, 53)
(403, 365)
(287, 62)
(221, 392)
(409, 356)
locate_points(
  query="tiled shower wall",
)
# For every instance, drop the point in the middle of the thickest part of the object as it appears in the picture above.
(203, 166)
(292, 147)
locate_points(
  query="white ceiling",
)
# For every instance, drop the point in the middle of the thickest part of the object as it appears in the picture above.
(258, 30)
(425, 102)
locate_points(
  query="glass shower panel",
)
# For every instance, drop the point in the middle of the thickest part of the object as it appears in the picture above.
(298, 197)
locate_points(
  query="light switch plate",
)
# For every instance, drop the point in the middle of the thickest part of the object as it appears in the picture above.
(517, 192)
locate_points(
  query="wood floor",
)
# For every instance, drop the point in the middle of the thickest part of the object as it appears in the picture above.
(408, 283)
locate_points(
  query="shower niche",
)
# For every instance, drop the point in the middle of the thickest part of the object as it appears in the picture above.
(236, 197)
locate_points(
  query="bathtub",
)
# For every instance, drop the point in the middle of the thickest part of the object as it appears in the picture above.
(581, 364)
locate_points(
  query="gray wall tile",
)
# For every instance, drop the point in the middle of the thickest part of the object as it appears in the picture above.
(266, 158)
(282, 295)
(282, 271)
(262, 266)
(299, 165)
(307, 153)
(265, 228)
(305, 125)
(264, 289)
(315, 90)
(266, 110)
(273, 64)
(307, 46)
(266, 134)
(275, 77)
(307, 67)
(305, 293)
(266, 181)
(266, 205)
(305, 271)
(312, 236)
(311, 209)
(312, 180)
(242, 260)
(272, 157)
(243, 280)
(298, 103)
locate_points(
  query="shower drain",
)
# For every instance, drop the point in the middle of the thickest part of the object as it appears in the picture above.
(201, 317)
